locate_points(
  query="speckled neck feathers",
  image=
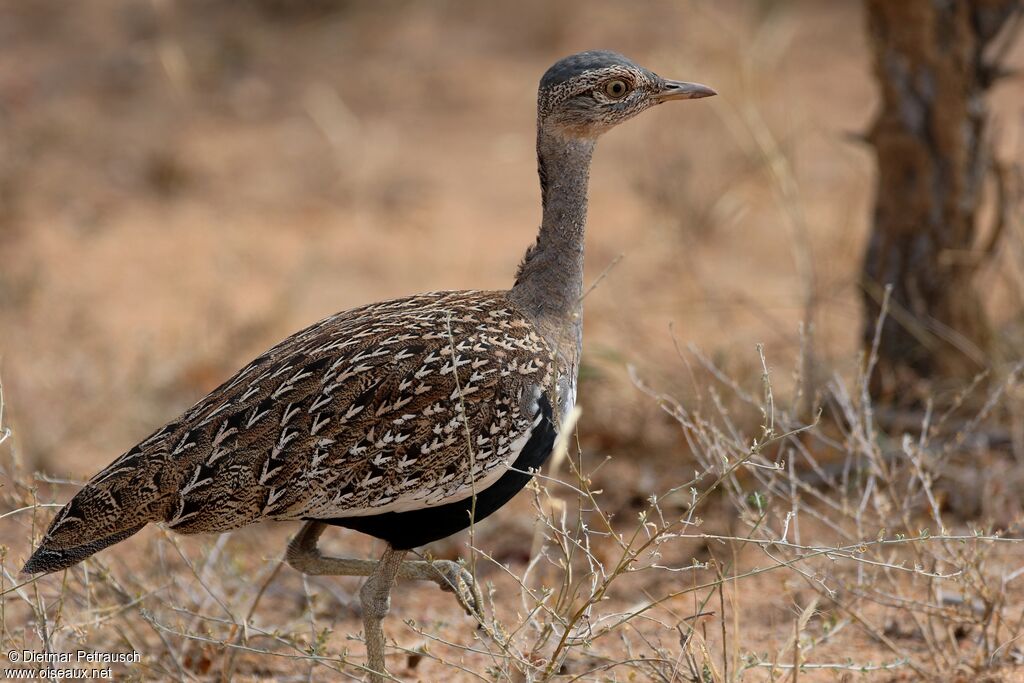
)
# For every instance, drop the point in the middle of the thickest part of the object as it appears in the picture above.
(549, 282)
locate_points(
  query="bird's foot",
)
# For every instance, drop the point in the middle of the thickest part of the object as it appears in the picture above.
(455, 578)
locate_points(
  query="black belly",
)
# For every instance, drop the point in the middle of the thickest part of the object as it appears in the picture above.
(412, 528)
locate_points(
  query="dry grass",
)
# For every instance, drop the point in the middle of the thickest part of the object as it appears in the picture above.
(843, 521)
(183, 186)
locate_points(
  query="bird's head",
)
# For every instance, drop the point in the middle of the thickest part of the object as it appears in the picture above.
(586, 94)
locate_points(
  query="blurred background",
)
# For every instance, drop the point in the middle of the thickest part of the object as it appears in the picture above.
(183, 183)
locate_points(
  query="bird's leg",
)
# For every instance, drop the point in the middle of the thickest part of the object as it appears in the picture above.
(375, 597)
(304, 555)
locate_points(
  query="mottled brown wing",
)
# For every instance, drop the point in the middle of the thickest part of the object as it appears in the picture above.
(399, 405)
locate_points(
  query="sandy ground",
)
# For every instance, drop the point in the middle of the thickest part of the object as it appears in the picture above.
(182, 184)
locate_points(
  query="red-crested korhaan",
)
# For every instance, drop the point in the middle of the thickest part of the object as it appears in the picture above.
(405, 419)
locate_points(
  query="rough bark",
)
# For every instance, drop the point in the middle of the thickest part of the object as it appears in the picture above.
(930, 144)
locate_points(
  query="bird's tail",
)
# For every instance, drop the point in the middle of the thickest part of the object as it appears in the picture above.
(115, 504)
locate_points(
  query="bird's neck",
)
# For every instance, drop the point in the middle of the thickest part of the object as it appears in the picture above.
(549, 283)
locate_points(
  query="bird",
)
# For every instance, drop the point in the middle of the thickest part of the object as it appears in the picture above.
(407, 420)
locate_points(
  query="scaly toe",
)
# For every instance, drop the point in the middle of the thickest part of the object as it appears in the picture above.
(458, 580)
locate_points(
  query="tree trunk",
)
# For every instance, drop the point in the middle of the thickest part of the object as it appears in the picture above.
(929, 139)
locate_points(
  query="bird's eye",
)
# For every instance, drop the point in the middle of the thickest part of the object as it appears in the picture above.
(616, 88)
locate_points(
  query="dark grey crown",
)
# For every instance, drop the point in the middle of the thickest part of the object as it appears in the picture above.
(574, 65)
